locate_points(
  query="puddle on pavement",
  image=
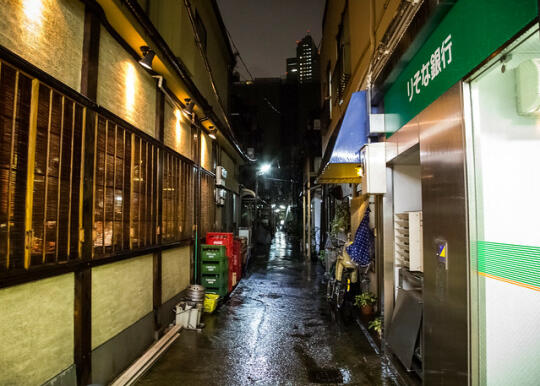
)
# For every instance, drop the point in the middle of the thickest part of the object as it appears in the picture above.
(315, 373)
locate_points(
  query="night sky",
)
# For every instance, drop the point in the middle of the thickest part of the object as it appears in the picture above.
(265, 31)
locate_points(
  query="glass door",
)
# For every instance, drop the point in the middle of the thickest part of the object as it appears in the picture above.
(502, 109)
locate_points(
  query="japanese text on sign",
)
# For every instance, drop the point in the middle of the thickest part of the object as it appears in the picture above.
(437, 63)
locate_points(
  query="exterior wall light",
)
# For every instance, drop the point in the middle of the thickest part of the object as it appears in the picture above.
(148, 57)
(212, 130)
(188, 110)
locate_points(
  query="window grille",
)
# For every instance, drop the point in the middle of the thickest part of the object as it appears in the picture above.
(15, 98)
(112, 168)
(56, 198)
(207, 203)
(42, 147)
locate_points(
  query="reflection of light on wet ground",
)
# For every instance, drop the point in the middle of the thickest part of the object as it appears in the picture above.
(275, 329)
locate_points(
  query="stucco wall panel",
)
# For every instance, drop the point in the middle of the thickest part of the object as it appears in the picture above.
(37, 330)
(177, 131)
(121, 295)
(47, 33)
(124, 87)
(175, 271)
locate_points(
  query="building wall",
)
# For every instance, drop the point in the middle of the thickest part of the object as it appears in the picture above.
(124, 87)
(37, 331)
(359, 30)
(232, 177)
(38, 338)
(121, 295)
(47, 33)
(206, 152)
(175, 272)
(172, 21)
(177, 131)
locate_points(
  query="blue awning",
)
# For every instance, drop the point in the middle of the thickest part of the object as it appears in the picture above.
(353, 134)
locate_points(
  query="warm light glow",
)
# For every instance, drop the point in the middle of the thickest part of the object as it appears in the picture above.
(178, 128)
(359, 171)
(204, 154)
(33, 9)
(131, 86)
(212, 135)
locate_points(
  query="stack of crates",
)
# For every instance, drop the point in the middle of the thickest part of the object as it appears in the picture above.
(226, 240)
(215, 269)
(237, 259)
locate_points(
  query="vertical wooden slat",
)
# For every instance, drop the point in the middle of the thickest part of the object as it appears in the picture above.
(139, 203)
(45, 201)
(81, 183)
(131, 176)
(32, 133)
(123, 187)
(10, 169)
(114, 188)
(106, 154)
(94, 172)
(151, 224)
(70, 198)
(58, 195)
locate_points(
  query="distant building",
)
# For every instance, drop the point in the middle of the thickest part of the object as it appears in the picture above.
(308, 60)
(292, 69)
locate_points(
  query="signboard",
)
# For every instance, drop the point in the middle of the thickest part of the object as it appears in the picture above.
(470, 32)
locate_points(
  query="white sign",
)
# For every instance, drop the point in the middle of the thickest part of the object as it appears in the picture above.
(431, 69)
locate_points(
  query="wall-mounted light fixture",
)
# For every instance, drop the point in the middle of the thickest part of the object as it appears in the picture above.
(147, 57)
(188, 110)
(211, 132)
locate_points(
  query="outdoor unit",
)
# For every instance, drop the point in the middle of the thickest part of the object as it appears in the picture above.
(373, 162)
(408, 248)
(221, 176)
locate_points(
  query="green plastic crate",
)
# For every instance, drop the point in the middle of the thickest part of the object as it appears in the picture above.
(221, 291)
(213, 267)
(213, 252)
(215, 281)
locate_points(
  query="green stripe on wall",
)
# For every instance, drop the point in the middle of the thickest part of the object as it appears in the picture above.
(520, 263)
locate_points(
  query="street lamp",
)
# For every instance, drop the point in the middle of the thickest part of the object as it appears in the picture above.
(265, 168)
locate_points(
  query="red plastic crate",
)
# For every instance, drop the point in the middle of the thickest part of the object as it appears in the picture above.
(217, 238)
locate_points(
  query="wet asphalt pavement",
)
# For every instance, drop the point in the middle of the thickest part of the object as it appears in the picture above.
(276, 329)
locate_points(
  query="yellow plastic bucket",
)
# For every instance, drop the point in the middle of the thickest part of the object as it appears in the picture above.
(210, 302)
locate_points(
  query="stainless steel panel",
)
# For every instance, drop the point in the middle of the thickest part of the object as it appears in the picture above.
(409, 135)
(444, 205)
(388, 249)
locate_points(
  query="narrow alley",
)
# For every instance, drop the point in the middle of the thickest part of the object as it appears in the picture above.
(299, 192)
(276, 328)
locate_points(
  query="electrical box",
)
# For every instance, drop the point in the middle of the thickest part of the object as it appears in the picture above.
(373, 161)
(221, 176)
(408, 241)
(221, 194)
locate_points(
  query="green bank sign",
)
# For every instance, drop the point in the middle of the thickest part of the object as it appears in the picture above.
(470, 32)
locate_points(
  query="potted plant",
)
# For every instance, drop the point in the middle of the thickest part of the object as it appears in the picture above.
(376, 325)
(365, 301)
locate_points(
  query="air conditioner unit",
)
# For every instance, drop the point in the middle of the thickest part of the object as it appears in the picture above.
(221, 176)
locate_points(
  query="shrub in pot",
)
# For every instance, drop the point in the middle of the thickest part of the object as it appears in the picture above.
(365, 301)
